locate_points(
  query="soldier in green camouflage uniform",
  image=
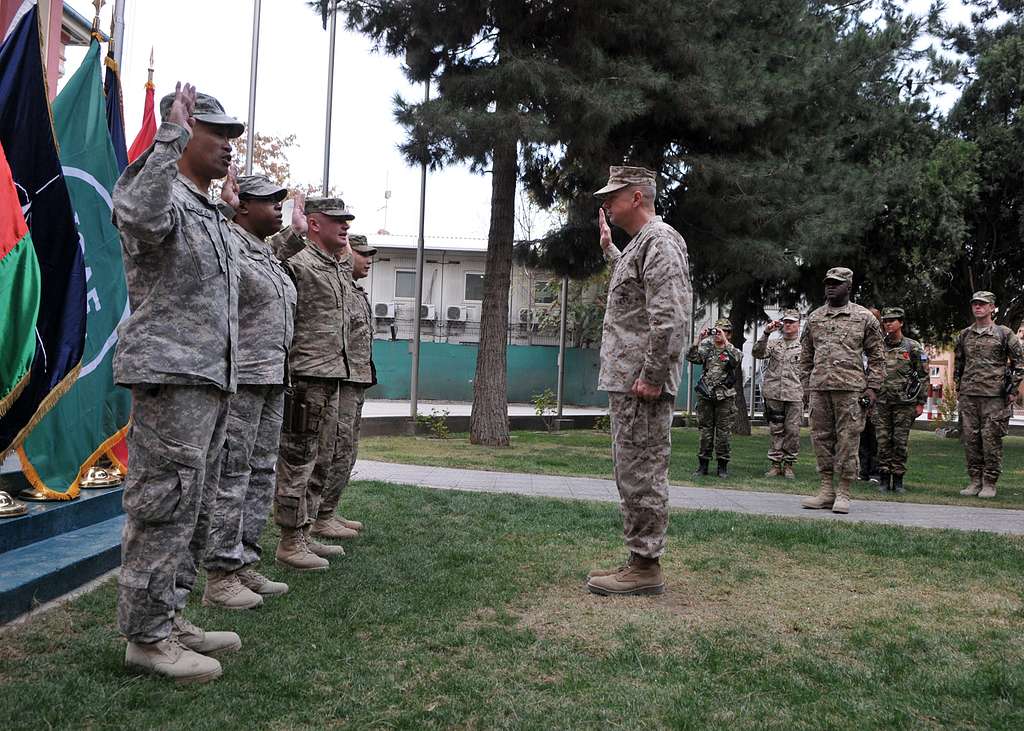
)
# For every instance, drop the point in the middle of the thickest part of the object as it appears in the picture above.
(645, 323)
(783, 394)
(351, 394)
(833, 345)
(900, 401)
(988, 369)
(177, 352)
(716, 406)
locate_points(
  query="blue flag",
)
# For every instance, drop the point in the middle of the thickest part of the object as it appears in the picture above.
(27, 137)
(115, 114)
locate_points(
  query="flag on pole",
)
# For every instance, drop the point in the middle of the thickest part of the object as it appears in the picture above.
(19, 292)
(26, 134)
(93, 415)
(115, 110)
(147, 134)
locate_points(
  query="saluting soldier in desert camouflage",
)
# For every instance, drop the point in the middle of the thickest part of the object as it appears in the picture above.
(782, 391)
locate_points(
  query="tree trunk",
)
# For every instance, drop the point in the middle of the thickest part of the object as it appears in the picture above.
(488, 423)
(738, 316)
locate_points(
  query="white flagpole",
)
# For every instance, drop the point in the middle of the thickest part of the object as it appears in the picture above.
(330, 98)
(250, 128)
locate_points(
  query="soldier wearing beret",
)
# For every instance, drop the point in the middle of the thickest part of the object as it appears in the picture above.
(266, 310)
(351, 395)
(988, 367)
(900, 401)
(721, 364)
(783, 394)
(835, 340)
(318, 363)
(644, 329)
(178, 352)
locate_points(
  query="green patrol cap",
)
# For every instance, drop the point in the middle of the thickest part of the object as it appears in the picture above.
(207, 109)
(621, 176)
(984, 296)
(791, 315)
(723, 324)
(359, 244)
(260, 186)
(893, 313)
(334, 207)
(839, 274)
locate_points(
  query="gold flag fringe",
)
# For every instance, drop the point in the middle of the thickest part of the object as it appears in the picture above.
(75, 489)
(8, 401)
(51, 398)
(110, 449)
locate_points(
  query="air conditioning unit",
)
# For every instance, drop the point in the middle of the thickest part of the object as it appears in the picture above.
(457, 314)
(384, 310)
(525, 315)
(427, 312)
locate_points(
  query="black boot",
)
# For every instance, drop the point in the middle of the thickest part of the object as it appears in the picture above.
(702, 468)
(722, 468)
(884, 481)
(897, 483)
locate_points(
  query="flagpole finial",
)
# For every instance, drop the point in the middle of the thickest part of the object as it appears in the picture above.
(98, 4)
(151, 66)
(113, 28)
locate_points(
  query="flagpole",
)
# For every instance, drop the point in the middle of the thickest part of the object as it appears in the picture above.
(117, 32)
(330, 98)
(253, 65)
(414, 379)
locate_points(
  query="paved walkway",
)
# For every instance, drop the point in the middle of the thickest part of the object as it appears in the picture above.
(992, 520)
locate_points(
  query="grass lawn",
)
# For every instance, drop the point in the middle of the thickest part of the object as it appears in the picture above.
(467, 610)
(935, 471)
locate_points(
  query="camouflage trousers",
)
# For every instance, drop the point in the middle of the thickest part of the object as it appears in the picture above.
(350, 415)
(715, 420)
(641, 445)
(239, 507)
(892, 430)
(785, 433)
(985, 421)
(837, 419)
(307, 453)
(174, 448)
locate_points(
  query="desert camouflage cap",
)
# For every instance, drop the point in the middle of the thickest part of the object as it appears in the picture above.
(208, 110)
(260, 186)
(893, 313)
(791, 315)
(329, 207)
(839, 274)
(359, 244)
(620, 176)
(723, 324)
(984, 296)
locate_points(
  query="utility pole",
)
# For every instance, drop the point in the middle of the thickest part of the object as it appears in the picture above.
(414, 376)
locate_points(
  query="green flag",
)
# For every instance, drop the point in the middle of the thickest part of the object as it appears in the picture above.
(93, 414)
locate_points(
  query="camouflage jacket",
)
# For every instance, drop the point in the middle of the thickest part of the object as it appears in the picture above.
(266, 313)
(721, 367)
(833, 343)
(181, 266)
(359, 345)
(904, 360)
(321, 322)
(782, 368)
(286, 243)
(983, 359)
(648, 312)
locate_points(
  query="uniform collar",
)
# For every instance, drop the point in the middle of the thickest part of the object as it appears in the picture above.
(831, 311)
(194, 190)
(989, 330)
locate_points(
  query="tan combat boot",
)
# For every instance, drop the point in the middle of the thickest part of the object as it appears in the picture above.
(825, 498)
(787, 471)
(323, 550)
(293, 552)
(201, 641)
(610, 572)
(988, 488)
(842, 501)
(775, 470)
(973, 488)
(253, 580)
(169, 659)
(639, 577)
(332, 528)
(353, 524)
(224, 590)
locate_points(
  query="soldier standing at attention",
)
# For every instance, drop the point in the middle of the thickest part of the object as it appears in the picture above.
(318, 362)
(645, 325)
(900, 401)
(716, 394)
(177, 352)
(783, 394)
(834, 341)
(988, 366)
(351, 394)
(266, 311)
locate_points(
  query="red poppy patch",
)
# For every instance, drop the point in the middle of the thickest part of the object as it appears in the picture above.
(906, 355)
(723, 357)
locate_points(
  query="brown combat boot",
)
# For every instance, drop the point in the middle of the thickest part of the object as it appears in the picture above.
(353, 524)
(641, 576)
(974, 488)
(323, 550)
(332, 527)
(775, 470)
(842, 502)
(825, 498)
(169, 659)
(224, 590)
(988, 488)
(787, 471)
(610, 572)
(293, 552)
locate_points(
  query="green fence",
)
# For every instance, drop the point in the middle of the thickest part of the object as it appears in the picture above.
(447, 371)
